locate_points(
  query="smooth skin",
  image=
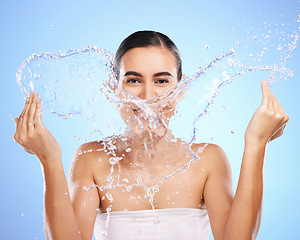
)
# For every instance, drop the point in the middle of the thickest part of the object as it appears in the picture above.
(147, 72)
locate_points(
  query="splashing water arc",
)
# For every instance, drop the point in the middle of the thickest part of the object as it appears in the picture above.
(81, 82)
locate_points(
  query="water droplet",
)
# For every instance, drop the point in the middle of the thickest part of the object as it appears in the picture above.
(132, 197)
(125, 180)
(37, 76)
(128, 150)
(109, 197)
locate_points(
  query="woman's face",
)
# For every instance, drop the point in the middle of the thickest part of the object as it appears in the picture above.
(147, 71)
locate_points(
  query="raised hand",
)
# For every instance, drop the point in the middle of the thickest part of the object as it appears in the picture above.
(269, 120)
(32, 135)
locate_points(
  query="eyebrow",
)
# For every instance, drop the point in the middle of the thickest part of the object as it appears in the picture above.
(133, 73)
(163, 74)
(155, 75)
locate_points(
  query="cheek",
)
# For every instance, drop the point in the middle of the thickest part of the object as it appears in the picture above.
(120, 93)
(133, 90)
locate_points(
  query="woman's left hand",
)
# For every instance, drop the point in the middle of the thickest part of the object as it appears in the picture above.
(269, 120)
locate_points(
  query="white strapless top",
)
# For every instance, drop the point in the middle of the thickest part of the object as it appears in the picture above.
(158, 224)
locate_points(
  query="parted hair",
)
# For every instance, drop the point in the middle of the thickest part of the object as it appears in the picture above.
(146, 39)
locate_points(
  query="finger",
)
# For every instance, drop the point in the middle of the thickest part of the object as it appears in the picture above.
(31, 111)
(26, 112)
(16, 121)
(278, 109)
(23, 110)
(19, 121)
(24, 117)
(37, 109)
(16, 135)
(265, 99)
(266, 92)
(284, 114)
(38, 113)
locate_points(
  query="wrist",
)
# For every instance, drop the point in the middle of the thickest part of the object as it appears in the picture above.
(256, 143)
(254, 154)
(52, 163)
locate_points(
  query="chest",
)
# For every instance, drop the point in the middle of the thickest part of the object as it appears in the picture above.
(154, 186)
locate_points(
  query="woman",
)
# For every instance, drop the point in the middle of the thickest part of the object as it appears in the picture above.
(148, 63)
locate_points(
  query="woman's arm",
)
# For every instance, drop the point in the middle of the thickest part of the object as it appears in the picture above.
(59, 217)
(239, 217)
(60, 220)
(70, 216)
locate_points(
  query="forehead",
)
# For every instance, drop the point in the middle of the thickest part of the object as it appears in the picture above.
(148, 58)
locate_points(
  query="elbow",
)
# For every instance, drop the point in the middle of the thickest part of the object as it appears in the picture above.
(239, 235)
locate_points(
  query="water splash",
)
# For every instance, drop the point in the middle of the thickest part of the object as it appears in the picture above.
(80, 82)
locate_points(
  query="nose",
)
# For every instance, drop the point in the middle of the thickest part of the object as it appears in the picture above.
(147, 92)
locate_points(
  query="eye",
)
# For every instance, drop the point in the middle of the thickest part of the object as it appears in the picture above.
(132, 81)
(162, 81)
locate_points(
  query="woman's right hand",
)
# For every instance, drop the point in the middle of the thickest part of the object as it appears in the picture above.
(32, 135)
(269, 120)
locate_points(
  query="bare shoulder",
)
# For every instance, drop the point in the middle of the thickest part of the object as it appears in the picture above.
(95, 146)
(212, 156)
(89, 151)
(211, 151)
(87, 159)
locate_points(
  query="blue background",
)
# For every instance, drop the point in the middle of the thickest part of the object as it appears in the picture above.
(28, 27)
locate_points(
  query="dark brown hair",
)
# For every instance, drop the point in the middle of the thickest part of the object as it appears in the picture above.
(146, 39)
